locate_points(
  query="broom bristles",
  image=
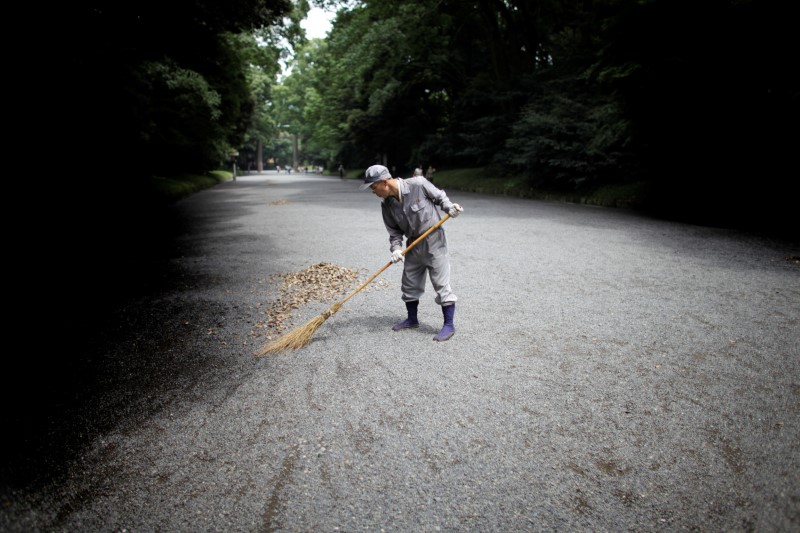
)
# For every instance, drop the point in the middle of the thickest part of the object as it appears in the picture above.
(298, 337)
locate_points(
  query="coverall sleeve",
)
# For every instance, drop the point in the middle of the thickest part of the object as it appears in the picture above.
(395, 233)
(437, 196)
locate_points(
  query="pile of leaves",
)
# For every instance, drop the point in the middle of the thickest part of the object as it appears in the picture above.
(320, 282)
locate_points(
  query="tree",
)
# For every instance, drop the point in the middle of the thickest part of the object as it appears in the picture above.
(154, 90)
(128, 91)
(573, 95)
(708, 92)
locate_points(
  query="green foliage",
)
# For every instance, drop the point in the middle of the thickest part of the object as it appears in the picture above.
(443, 81)
(154, 89)
(566, 97)
(181, 116)
(261, 53)
(482, 180)
(626, 195)
(173, 188)
(377, 82)
(488, 180)
(706, 91)
(567, 141)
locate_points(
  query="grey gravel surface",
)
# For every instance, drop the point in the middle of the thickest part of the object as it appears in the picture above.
(610, 372)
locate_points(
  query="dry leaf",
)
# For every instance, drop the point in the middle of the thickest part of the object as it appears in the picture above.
(319, 282)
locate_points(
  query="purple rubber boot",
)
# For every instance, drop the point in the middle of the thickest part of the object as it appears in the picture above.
(411, 321)
(448, 330)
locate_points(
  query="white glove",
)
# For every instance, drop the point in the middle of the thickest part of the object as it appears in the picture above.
(397, 255)
(455, 210)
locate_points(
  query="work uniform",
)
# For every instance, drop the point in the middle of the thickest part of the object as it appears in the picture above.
(410, 216)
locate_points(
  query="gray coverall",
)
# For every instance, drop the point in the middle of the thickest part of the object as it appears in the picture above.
(411, 218)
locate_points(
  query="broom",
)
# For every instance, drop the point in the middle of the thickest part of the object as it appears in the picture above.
(299, 337)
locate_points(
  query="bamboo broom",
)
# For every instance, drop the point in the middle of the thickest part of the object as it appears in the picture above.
(299, 337)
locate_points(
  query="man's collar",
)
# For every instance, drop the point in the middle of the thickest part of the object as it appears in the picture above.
(402, 189)
(402, 186)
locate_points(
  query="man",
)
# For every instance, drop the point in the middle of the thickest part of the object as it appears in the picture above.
(409, 209)
(429, 173)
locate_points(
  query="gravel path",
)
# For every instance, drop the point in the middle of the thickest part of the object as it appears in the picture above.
(610, 372)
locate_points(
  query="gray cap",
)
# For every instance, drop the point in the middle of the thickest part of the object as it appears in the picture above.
(375, 173)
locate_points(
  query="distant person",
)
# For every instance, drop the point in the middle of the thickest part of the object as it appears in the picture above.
(341, 171)
(429, 173)
(409, 209)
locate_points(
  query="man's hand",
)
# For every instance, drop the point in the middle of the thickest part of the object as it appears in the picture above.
(397, 255)
(455, 211)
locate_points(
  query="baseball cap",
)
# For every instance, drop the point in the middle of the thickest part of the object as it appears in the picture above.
(375, 173)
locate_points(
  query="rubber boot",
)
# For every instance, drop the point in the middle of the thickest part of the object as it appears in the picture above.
(411, 321)
(448, 330)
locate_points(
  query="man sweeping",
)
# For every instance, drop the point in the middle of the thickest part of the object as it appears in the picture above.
(409, 208)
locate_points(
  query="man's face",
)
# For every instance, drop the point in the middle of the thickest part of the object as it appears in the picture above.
(380, 188)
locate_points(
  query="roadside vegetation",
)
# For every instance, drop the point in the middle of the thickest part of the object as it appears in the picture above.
(174, 188)
(483, 181)
(639, 196)
(486, 182)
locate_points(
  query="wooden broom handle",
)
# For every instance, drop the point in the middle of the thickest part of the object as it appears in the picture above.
(409, 247)
(428, 232)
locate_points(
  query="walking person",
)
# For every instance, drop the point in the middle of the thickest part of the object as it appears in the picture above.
(409, 208)
(429, 173)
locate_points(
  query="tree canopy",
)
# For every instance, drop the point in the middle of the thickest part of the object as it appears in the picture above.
(694, 98)
(155, 90)
(689, 97)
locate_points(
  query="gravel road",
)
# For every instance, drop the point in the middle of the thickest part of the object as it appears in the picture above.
(610, 372)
